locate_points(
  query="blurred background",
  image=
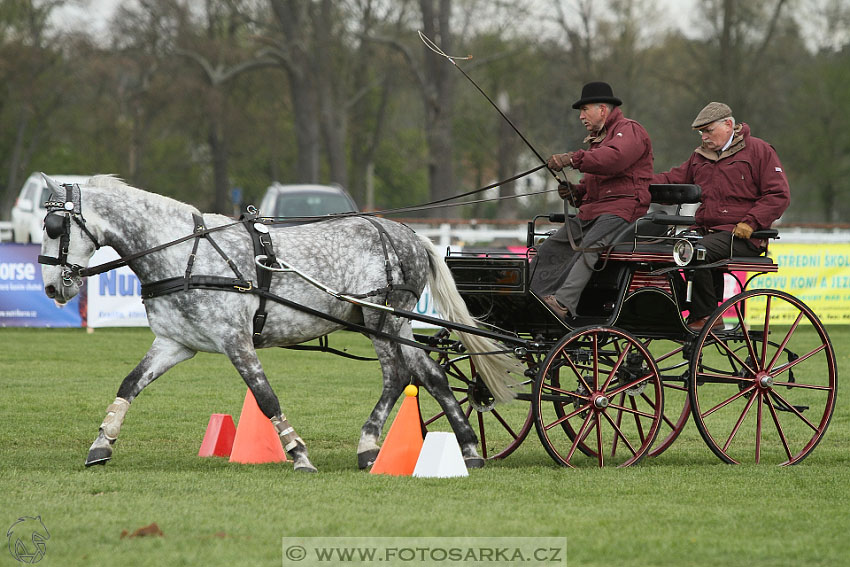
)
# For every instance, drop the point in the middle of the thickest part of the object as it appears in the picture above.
(211, 101)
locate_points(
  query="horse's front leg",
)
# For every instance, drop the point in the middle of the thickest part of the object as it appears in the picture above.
(163, 354)
(244, 358)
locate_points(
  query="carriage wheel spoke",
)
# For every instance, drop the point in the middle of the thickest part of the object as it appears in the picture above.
(765, 332)
(632, 384)
(728, 401)
(784, 343)
(638, 423)
(599, 453)
(616, 366)
(747, 340)
(504, 423)
(579, 437)
(482, 435)
(619, 434)
(794, 363)
(778, 425)
(758, 423)
(794, 410)
(636, 412)
(734, 355)
(740, 421)
(616, 425)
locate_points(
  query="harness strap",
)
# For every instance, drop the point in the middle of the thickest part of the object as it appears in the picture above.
(263, 245)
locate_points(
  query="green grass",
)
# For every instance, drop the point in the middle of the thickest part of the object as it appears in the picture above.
(682, 508)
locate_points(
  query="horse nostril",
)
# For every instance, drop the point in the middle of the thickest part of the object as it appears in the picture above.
(50, 291)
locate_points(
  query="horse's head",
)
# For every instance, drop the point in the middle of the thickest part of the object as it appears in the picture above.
(68, 244)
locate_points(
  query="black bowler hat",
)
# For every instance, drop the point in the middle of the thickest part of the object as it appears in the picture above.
(597, 91)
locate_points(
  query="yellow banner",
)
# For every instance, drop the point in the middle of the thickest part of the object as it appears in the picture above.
(817, 274)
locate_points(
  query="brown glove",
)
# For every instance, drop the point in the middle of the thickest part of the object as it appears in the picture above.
(743, 230)
(569, 192)
(559, 161)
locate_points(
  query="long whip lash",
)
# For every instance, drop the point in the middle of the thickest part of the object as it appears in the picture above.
(433, 47)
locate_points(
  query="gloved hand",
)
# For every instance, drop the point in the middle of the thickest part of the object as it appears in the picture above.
(743, 230)
(559, 161)
(569, 192)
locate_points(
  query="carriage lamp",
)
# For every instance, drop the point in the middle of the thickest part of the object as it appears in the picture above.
(683, 252)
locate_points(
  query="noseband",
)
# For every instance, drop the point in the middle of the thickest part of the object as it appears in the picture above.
(57, 224)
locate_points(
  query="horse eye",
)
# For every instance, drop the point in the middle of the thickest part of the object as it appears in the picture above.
(54, 225)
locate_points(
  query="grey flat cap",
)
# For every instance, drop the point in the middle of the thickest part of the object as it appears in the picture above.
(712, 112)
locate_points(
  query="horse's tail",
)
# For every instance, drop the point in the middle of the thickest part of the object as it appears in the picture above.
(494, 368)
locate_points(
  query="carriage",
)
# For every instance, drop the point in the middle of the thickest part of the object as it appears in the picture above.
(620, 380)
(617, 383)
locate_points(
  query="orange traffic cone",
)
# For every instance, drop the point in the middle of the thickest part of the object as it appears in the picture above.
(218, 440)
(256, 439)
(401, 448)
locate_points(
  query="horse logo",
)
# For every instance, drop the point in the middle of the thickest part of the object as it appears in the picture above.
(27, 539)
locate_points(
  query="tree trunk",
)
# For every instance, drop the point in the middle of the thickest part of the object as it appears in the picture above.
(438, 99)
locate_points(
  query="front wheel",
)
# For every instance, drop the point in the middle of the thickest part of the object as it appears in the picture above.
(763, 391)
(599, 395)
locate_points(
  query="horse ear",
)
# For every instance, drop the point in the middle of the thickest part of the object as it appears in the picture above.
(53, 186)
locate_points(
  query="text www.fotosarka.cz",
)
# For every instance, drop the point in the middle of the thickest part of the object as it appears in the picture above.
(424, 551)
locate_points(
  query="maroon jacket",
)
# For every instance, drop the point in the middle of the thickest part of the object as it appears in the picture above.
(746, 183)
(617, 168)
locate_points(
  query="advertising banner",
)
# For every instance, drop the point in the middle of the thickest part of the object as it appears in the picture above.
(22, 299)
(115, 297)
(817, 274)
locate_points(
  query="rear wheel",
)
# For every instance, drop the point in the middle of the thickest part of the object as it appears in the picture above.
(763, 392)
(501, 428)
(598, 394)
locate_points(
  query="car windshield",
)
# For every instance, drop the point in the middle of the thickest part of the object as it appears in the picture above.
(310, 204)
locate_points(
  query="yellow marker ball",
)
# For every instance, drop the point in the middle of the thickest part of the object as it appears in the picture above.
(410, 390)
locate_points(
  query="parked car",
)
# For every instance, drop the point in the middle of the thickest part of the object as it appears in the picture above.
(305, 201)
(28, 212)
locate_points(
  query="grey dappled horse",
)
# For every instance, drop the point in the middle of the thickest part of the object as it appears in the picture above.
(345, 254)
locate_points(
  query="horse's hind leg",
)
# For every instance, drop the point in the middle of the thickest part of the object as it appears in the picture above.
(395, 377)
(435, 382)
(244, 358)
(163, 354)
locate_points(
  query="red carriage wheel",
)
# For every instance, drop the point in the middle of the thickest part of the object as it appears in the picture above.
(599, 395)
(764, 391)
(501, 428)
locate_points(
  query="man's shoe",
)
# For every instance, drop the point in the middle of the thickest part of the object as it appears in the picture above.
(558, 309)
(697, 324)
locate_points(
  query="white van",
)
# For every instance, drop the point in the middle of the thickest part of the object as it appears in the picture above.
(29, 212)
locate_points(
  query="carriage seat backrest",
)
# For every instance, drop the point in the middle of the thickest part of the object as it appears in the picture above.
(669, 199)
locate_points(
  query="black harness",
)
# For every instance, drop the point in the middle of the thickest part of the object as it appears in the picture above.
(57, 224)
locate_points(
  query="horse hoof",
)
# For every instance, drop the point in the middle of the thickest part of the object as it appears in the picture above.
(98, 456)
(367, 458)
(474, 463)
(305, 469)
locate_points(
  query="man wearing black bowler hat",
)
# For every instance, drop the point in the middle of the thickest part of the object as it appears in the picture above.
(613, 192)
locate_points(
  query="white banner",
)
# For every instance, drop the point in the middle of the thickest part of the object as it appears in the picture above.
(114, 297)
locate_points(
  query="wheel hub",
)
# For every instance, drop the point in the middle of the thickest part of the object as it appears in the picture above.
(765, 381)
(600, 401)
(480, 396)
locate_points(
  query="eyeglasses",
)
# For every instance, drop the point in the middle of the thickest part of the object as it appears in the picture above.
(708, 130)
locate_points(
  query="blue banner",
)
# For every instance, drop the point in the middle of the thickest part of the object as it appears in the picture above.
(22, 299)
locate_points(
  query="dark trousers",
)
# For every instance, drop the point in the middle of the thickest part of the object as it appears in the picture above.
(563, 272)
(708, 284)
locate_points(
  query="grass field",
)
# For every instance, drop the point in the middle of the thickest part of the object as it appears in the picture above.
(683, 508)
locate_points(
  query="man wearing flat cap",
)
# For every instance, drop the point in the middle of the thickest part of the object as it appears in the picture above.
(613, 193)
(744, 188)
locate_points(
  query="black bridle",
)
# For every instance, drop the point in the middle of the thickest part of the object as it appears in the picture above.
(57, 224)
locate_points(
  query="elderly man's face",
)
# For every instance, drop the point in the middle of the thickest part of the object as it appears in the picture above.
(715, 135)
(593, 116)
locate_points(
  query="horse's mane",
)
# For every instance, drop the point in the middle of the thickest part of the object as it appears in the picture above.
(112, 181)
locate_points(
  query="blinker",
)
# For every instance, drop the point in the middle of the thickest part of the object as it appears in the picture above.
(54, 225)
